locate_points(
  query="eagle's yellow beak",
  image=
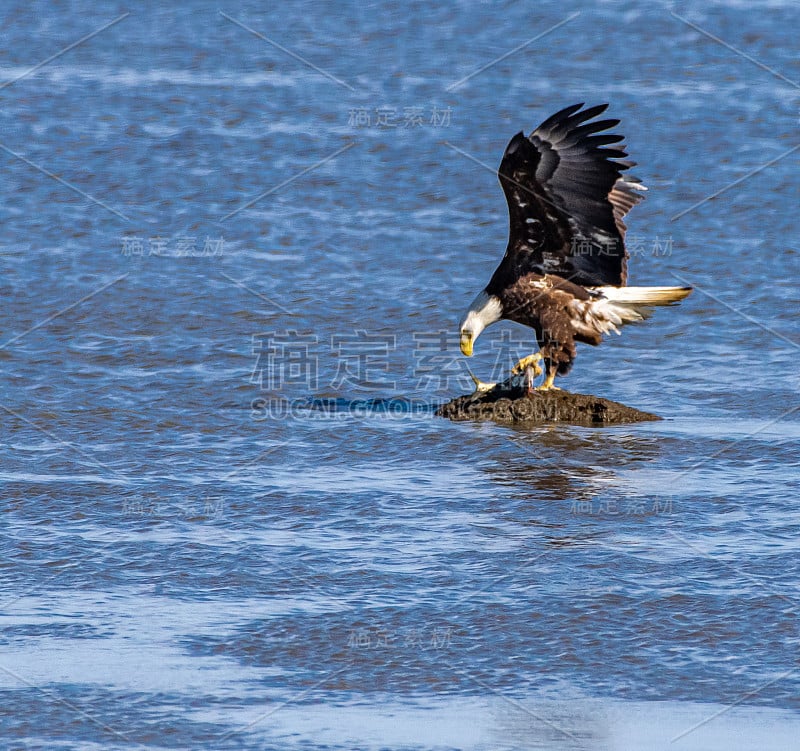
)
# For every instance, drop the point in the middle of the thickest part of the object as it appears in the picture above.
(466, 343)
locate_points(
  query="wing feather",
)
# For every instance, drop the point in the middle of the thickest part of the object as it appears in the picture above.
(567, 198)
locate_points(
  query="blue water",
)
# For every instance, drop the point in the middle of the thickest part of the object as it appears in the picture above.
(196, 555)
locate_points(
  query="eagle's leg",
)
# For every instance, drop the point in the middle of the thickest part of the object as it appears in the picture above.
(552, 369)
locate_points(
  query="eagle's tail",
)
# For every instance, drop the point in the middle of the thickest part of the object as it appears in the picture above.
(647, 296)
(631, 304)
(637, 303)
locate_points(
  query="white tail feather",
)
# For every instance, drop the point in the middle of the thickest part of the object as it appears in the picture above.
(636, 303)
(621, 305)
(648, 296)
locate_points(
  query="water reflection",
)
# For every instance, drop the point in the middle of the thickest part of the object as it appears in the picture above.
(561, 463)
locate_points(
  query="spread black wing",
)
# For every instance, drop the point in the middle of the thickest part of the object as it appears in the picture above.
(567, 199)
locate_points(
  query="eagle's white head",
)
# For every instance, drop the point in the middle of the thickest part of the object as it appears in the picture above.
(484, 310)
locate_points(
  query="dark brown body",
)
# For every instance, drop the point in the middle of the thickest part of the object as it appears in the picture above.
(546, 304)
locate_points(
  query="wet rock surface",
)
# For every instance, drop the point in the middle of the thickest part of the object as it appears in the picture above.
(514, 406)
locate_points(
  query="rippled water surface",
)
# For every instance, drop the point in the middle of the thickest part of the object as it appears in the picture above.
(213, 214)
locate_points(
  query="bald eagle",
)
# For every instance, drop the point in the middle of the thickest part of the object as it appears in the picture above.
(565, 267)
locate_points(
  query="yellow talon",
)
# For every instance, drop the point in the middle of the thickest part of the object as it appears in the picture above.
(480, 385)
(548, 382)
(531, 361)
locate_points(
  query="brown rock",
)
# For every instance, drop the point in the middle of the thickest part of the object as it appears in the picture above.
(512, 406)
